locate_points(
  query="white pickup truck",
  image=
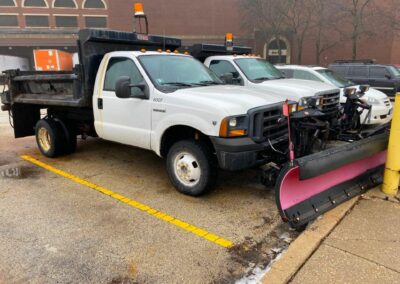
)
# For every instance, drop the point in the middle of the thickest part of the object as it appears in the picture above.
(256, 73)
(382, 109)
(165, 102)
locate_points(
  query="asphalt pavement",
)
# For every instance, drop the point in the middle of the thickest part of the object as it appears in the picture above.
(57, 226)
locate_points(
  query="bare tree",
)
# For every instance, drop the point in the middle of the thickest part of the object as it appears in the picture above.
(324, 29)
(265, 16)
(357, 13)
(298, 16)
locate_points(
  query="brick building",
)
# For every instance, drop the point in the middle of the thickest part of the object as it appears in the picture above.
(30, 24)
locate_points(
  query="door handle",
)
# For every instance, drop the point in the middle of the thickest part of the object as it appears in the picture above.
(100, 103)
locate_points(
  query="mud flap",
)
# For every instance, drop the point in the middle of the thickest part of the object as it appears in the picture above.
(320, 182)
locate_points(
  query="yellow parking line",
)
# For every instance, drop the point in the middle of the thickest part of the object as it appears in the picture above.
(133, 203)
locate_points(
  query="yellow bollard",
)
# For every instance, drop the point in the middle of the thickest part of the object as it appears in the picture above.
(391, 177)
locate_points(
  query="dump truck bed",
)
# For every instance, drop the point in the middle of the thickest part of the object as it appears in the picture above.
(75, 88)
(55, 88)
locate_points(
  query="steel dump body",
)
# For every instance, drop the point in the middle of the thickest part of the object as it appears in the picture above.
(75, 89)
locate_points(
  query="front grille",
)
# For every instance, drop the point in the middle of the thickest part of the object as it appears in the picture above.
(331, 102)
(268, 123)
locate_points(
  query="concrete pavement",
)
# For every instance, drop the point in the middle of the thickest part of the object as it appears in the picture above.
(363, 247)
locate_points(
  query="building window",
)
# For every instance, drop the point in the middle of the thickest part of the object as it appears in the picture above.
(95, 22)
(8, 21)
(66, 21)
(36, 21)
(35, 3)
(65, 4)
(8, 3)
(94, 4)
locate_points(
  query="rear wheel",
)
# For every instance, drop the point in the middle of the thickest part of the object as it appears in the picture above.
(49, 138)
(192, 167)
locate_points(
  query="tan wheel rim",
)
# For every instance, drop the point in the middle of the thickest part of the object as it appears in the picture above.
(44, 139)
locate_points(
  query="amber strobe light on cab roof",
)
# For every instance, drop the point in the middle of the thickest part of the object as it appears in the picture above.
(229, 41)
(138, 9)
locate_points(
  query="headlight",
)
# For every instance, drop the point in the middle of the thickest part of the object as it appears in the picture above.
(372, 101)
(234, 126)
(310, 102)
(233, 122)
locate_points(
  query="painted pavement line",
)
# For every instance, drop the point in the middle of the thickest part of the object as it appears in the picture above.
(135, 204)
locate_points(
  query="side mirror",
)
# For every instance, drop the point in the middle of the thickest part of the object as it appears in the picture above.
(387, 76)
(123, 89)
(227, 78)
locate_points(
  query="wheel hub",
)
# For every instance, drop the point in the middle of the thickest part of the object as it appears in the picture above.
(187, 169)
(44, 139)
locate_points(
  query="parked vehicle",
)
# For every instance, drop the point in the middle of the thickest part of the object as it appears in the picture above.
(124, 91)
(52, 60)
(256, 73)
(382, 109)
(161, 101)
(315, 129)
(11, 62)
(385, 78)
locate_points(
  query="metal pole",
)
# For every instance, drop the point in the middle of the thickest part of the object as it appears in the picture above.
(391, 177)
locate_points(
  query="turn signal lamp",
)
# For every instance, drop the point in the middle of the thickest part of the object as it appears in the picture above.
(138, 8)
(226, 130)
(289, 108)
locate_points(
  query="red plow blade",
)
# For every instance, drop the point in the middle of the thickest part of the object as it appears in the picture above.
(320, 182)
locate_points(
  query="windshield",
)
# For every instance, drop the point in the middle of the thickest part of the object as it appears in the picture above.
(395, 71)
(169, 73)
(257, 69)
(335, 78)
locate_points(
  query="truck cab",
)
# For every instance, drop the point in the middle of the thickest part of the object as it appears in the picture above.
(256, 73)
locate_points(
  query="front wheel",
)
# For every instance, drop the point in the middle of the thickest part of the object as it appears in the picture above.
(192, 167)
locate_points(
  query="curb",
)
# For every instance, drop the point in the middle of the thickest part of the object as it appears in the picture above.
(283, 270)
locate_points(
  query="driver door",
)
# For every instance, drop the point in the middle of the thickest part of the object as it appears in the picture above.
(125, 120)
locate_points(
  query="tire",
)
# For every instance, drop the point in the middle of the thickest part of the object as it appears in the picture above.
(49, 138)
(201, 162)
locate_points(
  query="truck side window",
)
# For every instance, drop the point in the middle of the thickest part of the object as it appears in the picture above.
(340, 69)
(378, 72)
(118, 67)
(358, 71)
(221, 67)
(305, 75)
(287, 72)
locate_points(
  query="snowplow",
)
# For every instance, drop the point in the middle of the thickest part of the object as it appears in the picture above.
(329, 157)
(319, 179)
